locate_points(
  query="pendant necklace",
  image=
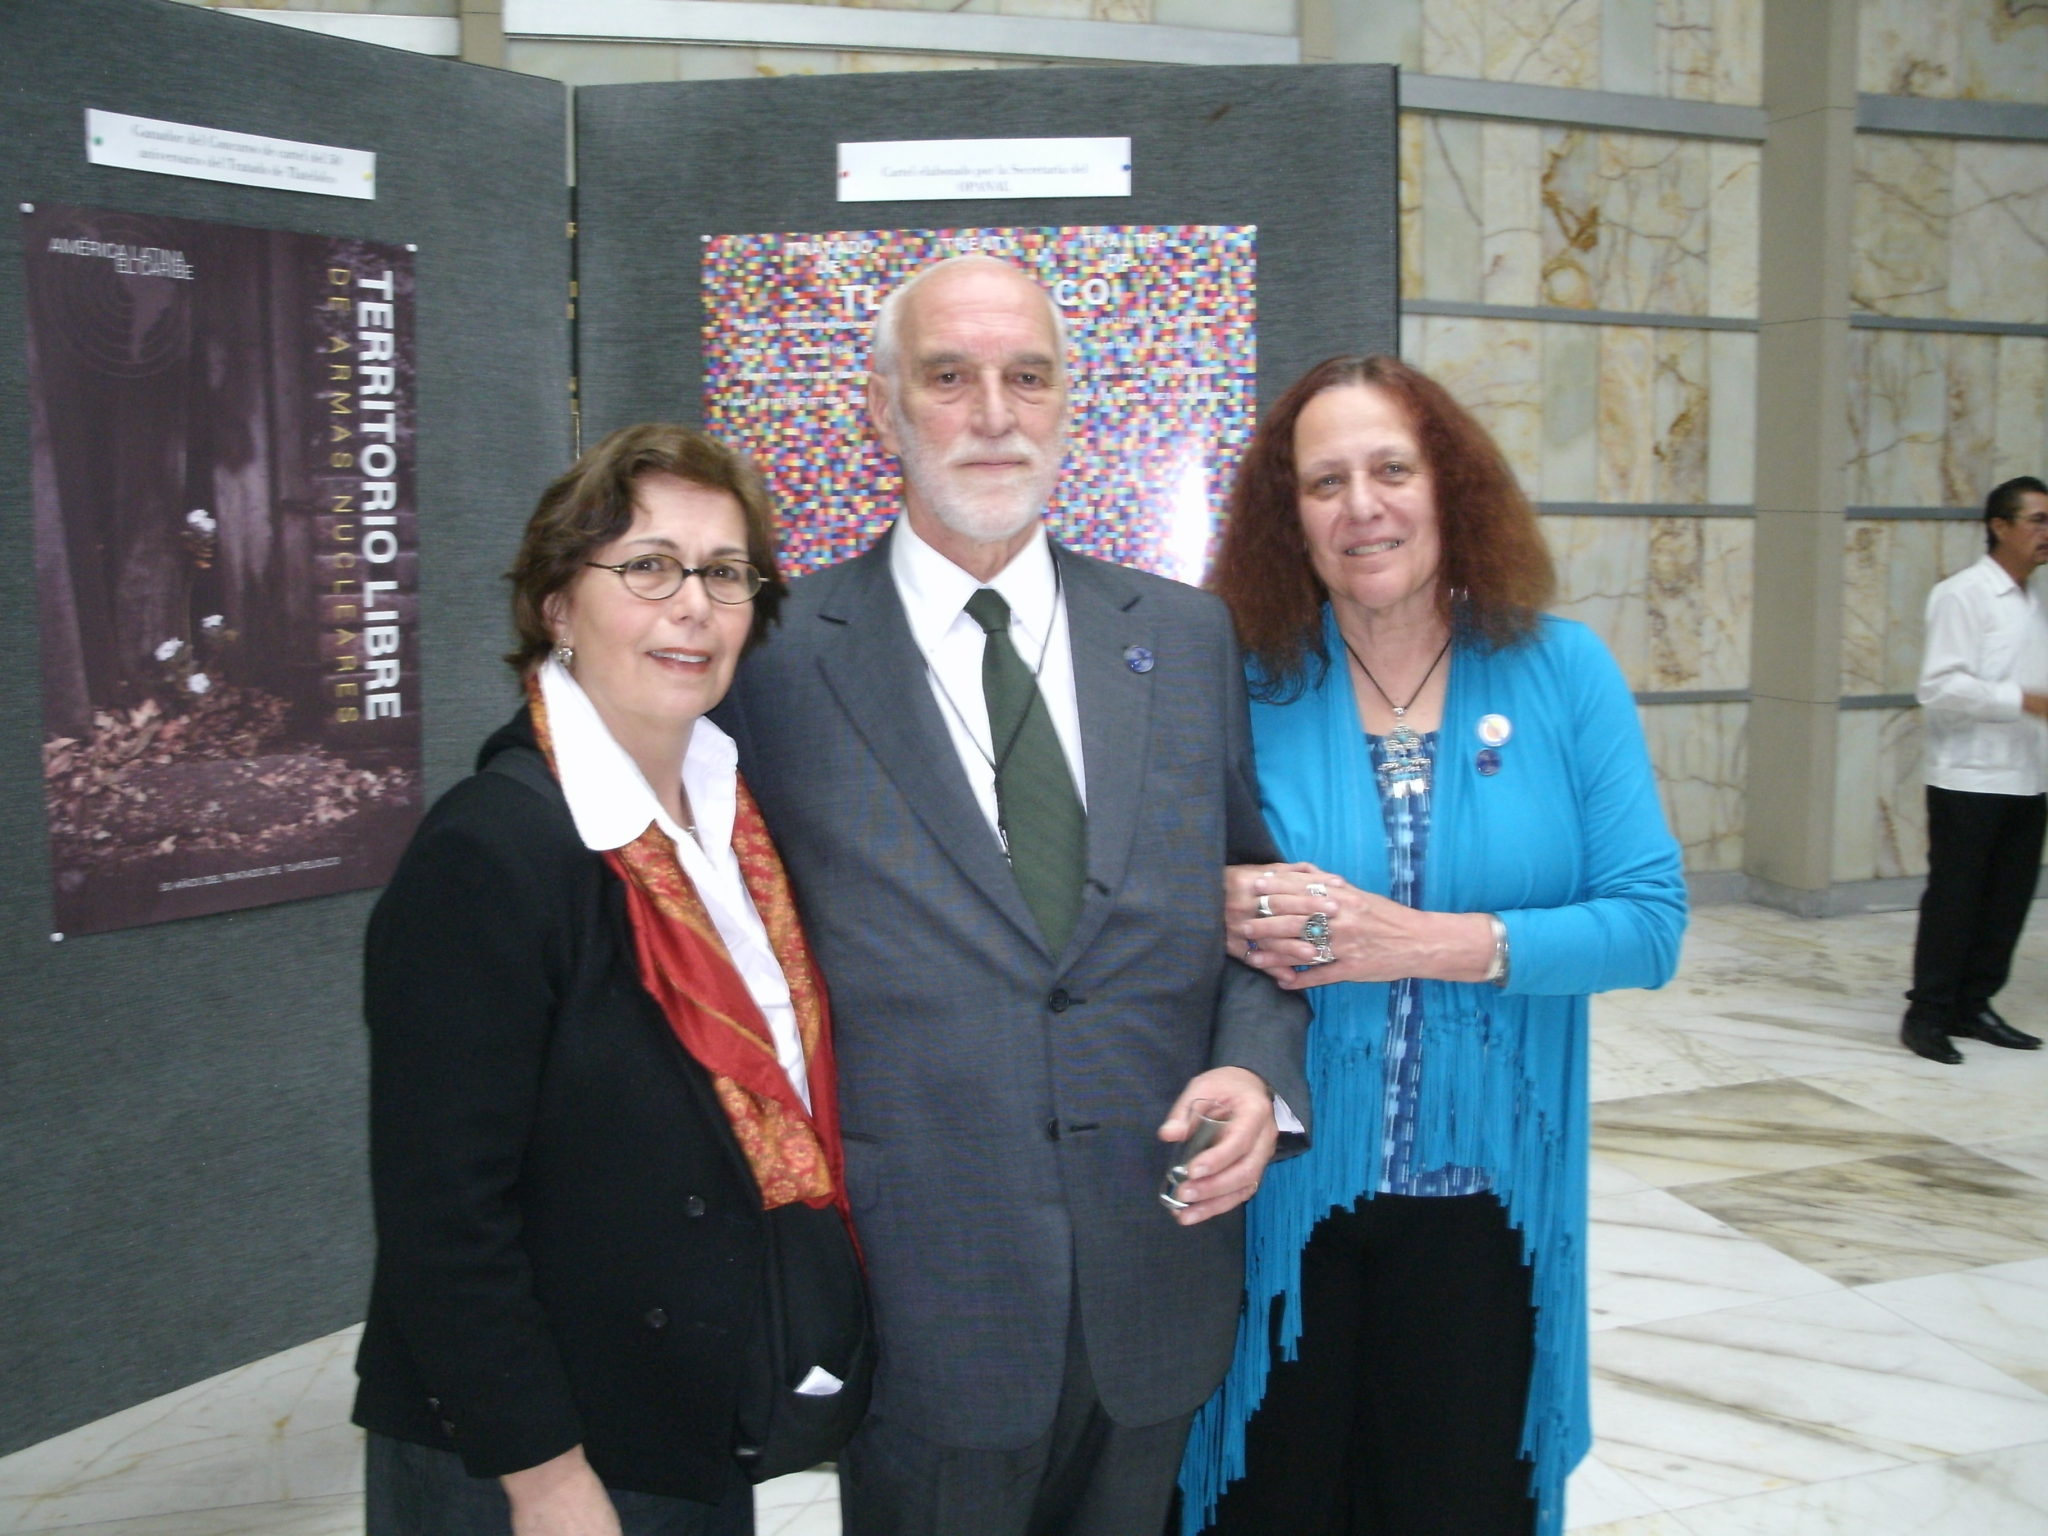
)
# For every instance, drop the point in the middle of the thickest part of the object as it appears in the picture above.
(1405, 771)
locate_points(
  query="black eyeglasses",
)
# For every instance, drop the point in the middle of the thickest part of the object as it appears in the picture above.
(660, 577)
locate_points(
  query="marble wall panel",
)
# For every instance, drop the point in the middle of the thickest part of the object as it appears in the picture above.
(1511, 213)
(1699, 754)
(1277, 18)
(1673, 600)
(1913, 568)
(1495, 369)
(1454, 38)
(1733, 173)
(2002, 46)
(1866, 551)
(1452, 195)
(1936, 419)
(1571, 413)
(1680, 406)
(1727, 586)
(1739, 52)
(1628, 375)
(1628, 46)
(1908, 47)
(1969, 446)
(1685, 49)
(1731, 418)
(2020, 420)
(1571, 217)
(1603, 581)
(1414, 138)
(1998, 239)
(1901, 216)
(1543, 42)
(1855, 850)
(1888, 568)
(1880, 802)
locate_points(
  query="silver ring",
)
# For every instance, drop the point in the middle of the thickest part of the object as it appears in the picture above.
(1317, 889)
(1317, 929)
(1324, 954)
(1266, 906)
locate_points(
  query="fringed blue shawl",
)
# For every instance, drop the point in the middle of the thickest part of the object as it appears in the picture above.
(1567, 843)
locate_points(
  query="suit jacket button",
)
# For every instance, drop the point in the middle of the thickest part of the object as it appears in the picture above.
(1052, 1129)
(657, 1317)
(694, 1206)
(1059, 1000)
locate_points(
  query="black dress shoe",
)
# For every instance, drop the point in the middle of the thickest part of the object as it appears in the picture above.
(1925, 1035)
(1982, 1023)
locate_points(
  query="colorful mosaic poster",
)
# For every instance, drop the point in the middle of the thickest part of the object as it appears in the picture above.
(222, 453)
(1160, 338)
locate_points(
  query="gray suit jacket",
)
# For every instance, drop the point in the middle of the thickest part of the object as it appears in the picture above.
(1000, 1102)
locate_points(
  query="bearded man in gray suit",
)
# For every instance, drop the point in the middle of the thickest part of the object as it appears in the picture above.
(1006, 779)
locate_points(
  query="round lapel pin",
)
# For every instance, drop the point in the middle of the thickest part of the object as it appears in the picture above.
(1138, 659)
(1489, 762)
(1494, 730)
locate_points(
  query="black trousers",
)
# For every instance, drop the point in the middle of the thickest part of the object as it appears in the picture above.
(1983, 862)
(1402, 1414)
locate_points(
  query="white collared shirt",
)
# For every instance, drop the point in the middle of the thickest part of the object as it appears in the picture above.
(612, 803)
(935, 592)
(1987, 643)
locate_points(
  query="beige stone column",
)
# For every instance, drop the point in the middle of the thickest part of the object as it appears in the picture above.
(483, 32)
(1801, 447)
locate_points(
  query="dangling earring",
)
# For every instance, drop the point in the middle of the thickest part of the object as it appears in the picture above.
(565, 654)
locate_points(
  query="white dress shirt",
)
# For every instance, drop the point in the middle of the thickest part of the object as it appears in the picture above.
(612, 803)
(1987, 643)
(935, 592)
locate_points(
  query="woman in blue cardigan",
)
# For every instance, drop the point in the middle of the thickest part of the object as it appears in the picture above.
(1463, 782)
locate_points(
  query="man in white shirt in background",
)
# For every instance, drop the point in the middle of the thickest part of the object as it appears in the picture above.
(1984, 686)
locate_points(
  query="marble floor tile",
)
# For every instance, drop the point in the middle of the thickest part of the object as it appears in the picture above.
(1995, 1493)
(1889, 1218)
(1793, 1037)
(801, 1504)
(1999, 1314)
(1633, 1057)
(1597, 1496)
(1748, 1399)
(274, 1429)
(1652, 1256)
(336, 1514)
(1726, 1133)
(1994, 1094)
(1603, 1178)
(1640, 1525)
(2029, 1154)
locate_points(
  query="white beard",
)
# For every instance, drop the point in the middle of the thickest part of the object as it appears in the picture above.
(987, 514)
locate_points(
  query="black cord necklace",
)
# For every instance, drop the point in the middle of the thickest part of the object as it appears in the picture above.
(1405, 771)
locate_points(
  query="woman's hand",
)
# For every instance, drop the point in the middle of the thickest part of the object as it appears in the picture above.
(1372, 938)
(560, 1497)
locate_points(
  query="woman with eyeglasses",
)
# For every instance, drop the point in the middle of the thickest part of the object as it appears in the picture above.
(603, 1137)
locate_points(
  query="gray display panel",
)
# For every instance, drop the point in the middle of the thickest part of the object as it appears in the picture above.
(1308, 155)
(181, 1119)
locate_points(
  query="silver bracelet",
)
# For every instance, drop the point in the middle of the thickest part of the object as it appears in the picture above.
(1497, 971)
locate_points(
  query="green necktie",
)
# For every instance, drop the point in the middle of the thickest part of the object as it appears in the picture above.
(1044, 828)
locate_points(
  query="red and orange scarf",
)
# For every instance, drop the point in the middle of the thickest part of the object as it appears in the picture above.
(794, 1153)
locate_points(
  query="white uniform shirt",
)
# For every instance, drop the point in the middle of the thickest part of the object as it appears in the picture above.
(612, 803)
(935, 592)
(1987, 642)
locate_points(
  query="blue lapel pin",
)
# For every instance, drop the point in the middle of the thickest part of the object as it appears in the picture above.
(1138, 659)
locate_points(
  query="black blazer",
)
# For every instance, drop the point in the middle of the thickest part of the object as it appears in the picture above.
(569, 1241)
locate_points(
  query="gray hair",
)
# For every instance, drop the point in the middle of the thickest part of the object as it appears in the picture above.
(884, 343)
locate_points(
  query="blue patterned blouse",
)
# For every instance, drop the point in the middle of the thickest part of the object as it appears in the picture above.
(1407, 824)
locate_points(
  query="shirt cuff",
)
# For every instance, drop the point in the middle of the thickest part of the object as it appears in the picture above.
(1286, 1120)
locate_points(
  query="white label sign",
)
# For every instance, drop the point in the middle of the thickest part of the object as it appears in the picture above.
(905, 170)
(214, 154)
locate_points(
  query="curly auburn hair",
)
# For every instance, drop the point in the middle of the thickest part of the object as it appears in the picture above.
(592, 504)
(1496, 577)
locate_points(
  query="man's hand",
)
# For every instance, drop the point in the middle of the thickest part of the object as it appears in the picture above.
(1228, 1174)
(2035, 704)
(560, 1497)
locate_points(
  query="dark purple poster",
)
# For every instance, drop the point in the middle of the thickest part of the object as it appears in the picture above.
(222, 451)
